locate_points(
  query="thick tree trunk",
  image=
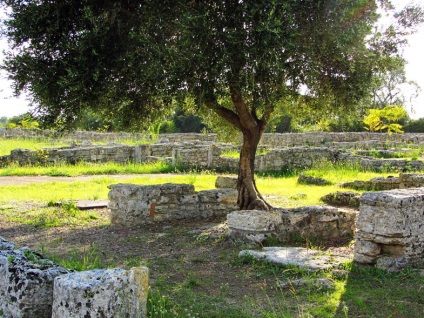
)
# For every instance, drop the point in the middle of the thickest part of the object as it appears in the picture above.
(249, 197)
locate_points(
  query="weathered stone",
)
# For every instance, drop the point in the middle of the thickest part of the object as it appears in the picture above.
(253, 225)
(363, 259)
(342, 199)
(320, 284)
(393, 220)
(6, 245)
(368, 248)
(316, 222)
(26, 283)
(288, 224)
(312, 180)
(101, 294)
(298, 256)
(392, 264)
(226, 182)
(135, 205)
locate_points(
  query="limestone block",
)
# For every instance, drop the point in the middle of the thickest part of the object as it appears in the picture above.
(316, 221)
(226, 182)
(101, 294)
(368, 248)
(363, 259)
(26, 286)
(219, 196)
(393, 220)
(253, 225)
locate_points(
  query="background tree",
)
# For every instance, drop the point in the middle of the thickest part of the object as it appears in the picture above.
(132, 59)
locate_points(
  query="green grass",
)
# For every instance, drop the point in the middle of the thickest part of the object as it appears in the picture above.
(96, 188)
(7, 145)
(79, 260)
(85, 168)
(288, 191)
(235, 154)
(50, 216)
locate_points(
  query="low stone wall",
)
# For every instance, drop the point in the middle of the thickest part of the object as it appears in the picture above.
(324, 138)
(390, 229)
(289, 224)
(101, 136)
(134, 204)
(405, 180)
(32, 286)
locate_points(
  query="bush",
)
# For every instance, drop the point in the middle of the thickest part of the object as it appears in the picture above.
(415, 126)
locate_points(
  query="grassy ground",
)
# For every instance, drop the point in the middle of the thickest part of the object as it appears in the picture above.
(195, 270)
(196, 274)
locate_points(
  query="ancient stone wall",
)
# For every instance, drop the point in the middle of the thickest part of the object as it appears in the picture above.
(134, 204)
(326, 138)
(80, 136)
(390, 228)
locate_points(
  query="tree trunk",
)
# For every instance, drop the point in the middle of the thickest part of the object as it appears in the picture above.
(249, 197)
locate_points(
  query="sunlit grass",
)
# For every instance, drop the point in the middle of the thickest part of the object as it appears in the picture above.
(7, 145)
(86, 168)
(280, 191)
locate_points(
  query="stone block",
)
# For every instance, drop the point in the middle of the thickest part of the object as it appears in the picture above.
(104, 293)
(394, 221)
(226, 182)
(26, 283)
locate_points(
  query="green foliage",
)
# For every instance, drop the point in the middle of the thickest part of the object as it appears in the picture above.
(386, 118)
(415, 126)
(26, 121)
(258, 51)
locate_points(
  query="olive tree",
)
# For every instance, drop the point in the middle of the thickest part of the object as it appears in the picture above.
(132, 59)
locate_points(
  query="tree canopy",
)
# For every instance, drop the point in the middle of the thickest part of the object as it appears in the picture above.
(238, 58)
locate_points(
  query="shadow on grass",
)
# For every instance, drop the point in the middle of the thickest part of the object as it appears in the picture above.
(370, 292)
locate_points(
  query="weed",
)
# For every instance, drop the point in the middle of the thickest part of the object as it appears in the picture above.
(87, 259)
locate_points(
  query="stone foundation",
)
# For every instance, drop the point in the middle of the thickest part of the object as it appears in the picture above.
(134, 205)
(299, 223)
(390, 228)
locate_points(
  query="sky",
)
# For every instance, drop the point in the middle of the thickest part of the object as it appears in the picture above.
(12, 106)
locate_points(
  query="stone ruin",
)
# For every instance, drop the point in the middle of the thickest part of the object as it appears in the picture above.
(390, 229)
(137, 204)
(204, 151)
(304, 223)
(32, 286)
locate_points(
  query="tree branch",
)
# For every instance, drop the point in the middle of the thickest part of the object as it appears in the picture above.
(224, 113)
(246, 119)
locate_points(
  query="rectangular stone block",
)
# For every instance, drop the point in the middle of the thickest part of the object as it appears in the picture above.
(105, 293)
(393, 220)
